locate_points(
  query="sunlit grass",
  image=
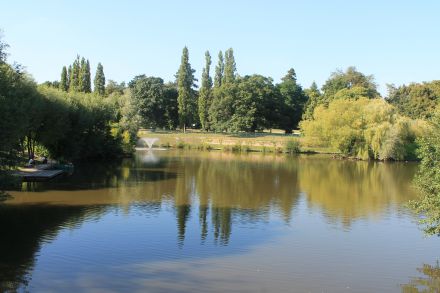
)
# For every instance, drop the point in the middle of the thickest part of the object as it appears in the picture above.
(266, 142)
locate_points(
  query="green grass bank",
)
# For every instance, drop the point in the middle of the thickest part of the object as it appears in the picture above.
(237, 142)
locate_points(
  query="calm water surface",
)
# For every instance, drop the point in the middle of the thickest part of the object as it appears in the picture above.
(169, 221)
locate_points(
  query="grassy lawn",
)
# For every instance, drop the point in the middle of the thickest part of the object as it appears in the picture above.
(260, 142)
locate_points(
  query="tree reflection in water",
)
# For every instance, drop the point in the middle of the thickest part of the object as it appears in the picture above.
(428, 283)
(221, 191)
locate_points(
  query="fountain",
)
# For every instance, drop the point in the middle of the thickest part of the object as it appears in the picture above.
(149, 141)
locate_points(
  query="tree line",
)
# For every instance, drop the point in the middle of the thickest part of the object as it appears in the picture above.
(347, 114)
(225, 102)
(341, 114)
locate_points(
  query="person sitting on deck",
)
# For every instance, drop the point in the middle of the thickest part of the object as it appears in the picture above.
(31, 162)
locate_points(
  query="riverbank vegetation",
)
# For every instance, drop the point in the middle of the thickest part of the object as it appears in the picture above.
(48, 120)
(428, 179)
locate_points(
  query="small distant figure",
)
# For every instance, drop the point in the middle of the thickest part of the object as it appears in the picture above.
(44, 160)
(31, 162)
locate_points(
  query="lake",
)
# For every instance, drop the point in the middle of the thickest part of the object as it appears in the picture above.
(182, 221)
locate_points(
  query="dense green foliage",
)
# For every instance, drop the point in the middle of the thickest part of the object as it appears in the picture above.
(349, 80)
(17, 93)
(249, 104)
(313, 99)
(428, 179)
(75, 126)
(417, 100)
(350, 84)
(48, 120)
(154, 103)
(113, 87)
(364, 128)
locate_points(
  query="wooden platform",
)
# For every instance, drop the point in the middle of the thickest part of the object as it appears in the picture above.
(38, 173)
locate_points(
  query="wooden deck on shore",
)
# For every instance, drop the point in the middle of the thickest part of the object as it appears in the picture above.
(38, 173)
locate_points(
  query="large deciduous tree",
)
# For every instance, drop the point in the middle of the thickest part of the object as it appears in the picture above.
(353, 82)
(314, 98)
(293, 101)
(148, 94)
(256, 104)
(416, 100)
(250, 103)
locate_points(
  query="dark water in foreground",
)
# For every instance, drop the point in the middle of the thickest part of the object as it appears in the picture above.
(218, 222)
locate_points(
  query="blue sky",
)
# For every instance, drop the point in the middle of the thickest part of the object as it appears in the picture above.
(396, 41)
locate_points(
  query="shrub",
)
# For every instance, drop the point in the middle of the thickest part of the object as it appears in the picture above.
(236, 148)
(293, 147)
(180, 145)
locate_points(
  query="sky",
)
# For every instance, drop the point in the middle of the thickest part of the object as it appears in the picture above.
(396, 41)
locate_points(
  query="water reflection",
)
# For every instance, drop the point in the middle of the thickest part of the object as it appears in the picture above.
(211, 197)
(429, 281)
(351, 190)
(24, 229)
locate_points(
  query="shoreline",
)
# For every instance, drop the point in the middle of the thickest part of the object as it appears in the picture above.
(245, 143)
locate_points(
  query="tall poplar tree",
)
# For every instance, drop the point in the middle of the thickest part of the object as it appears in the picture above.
(87, 83)
(99, 82)
(74, 78)
(69, 76)
(230, 67)
(64, 86)
(219, 69)
(205, 93)
(82, 75)
(185, 83)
